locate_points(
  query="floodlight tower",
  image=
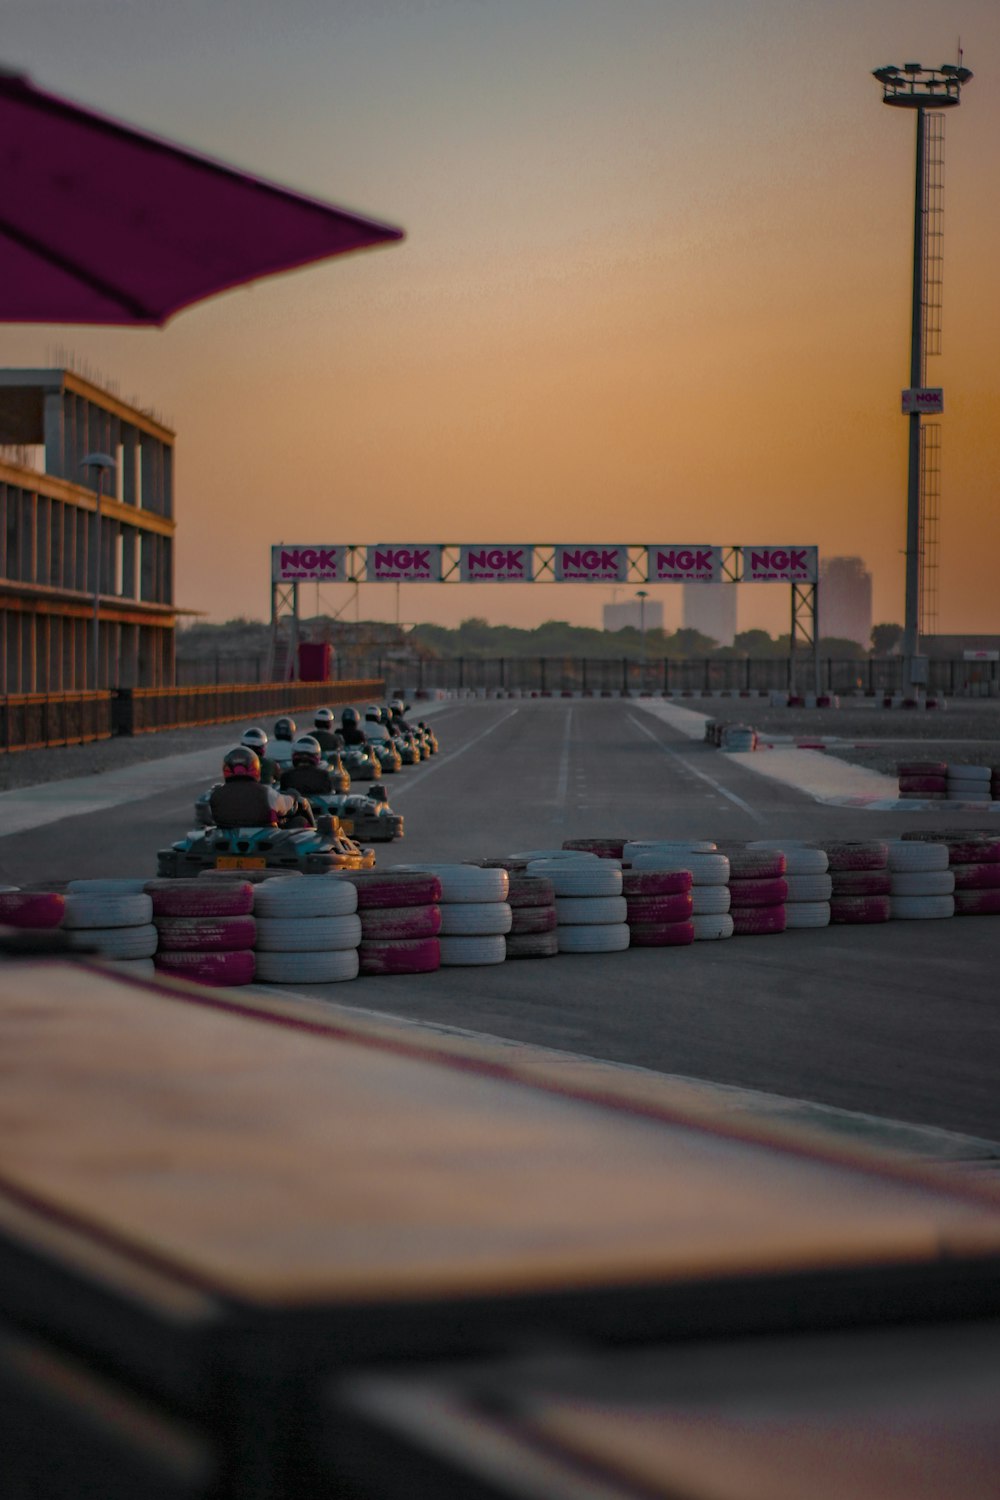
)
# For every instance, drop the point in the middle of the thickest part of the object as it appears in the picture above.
(915, 87)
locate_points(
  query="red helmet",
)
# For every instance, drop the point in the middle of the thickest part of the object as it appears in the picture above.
(241, 764)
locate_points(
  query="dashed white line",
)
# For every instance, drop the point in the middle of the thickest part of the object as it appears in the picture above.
(701, 775)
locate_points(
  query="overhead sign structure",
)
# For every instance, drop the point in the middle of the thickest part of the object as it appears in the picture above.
(671, 564)
(927, 398)
(392, 563)
(780, 564)
(584, 564)
(496, 563)
(308, 564)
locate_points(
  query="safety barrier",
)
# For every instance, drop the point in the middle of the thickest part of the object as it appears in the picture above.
(37, 721)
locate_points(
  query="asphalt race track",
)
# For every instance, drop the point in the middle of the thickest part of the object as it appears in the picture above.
(899, 1020)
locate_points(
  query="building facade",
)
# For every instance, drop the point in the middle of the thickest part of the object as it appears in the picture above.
(711, 609)
(845, 599)
(67, 546)
(634, 614)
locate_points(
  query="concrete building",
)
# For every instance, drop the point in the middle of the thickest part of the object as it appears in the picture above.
(50, 420)
(710, 608)
(845, 599)
(631, 614)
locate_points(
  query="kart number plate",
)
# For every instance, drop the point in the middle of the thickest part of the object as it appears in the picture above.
(240, 862)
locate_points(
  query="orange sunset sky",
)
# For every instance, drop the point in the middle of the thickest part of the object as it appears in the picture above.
(655, 285)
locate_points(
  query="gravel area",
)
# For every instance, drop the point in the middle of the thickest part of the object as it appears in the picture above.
(32, 767)
(967, 732)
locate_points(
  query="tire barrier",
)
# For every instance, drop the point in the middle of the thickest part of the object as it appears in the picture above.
(308, 931)
(112, 923)
(532, 902)
(591, 910)
(860, 881)
(757, 890)
(971, 858)
(708, 868)
(222, 970)
(939, 781)
(400, 915)
(475, 913)
(659, 908)
(36, 910)
(205, 930)
(808, 881)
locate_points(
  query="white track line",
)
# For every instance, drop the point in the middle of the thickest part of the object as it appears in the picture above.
(702, 775)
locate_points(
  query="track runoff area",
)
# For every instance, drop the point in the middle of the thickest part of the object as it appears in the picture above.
(889, 1032)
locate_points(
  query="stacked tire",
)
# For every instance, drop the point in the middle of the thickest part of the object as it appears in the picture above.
(970, 783)
(114, 919)
(807, 880)
(591, 910)
(532, 902)
(757, 891)
(475, 914)
(921, 884)
(709, 871)
(206, 930)
(659, 908)
(604, 848)
(400, 915)
(860, 882)
(308, 931)
(974, 862)
(923, 780)
(35, 911)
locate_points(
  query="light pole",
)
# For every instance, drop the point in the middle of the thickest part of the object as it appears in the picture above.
(915, 87)
(642, 595)
(103, 463)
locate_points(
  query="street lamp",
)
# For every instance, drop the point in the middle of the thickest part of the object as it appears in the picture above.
(642, 595)
(915, 87)
(103, 463)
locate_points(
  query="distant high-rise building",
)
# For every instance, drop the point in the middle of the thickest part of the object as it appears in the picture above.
(710, 608)
(845, 599)
(631, 613)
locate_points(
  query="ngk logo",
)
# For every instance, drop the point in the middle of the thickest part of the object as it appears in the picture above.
(402, 560)
(685, 560)
(309, 559)
(497, 560)
(597, 564)
(789, 564)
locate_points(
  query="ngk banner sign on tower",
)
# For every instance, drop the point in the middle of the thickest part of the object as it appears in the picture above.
(312, 564)
(392, 562)
(496, 563)
(591, 564)
(670, 564)
(780, 564)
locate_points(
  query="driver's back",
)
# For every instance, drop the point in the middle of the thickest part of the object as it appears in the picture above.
(241, 804)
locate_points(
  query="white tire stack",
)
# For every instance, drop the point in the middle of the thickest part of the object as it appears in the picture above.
(532, 901)
(970, 783)
(807, 879)
(115, 918)
(757, 891)
(591, 911)
(475, 914)
(308, 931)
(206, 930)
(709, 871)
(974, 864)
(922, 885)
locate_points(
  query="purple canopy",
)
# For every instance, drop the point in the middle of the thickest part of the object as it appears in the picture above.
(101, 223)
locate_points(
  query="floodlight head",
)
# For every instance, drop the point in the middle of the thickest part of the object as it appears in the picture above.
(101, 461)
(915, 87)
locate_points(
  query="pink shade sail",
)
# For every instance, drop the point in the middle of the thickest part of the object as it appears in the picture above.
(102, 223)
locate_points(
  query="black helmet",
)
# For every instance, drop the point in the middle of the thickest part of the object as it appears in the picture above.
(396, 706)
(306, 751)
(350, 716)
(284, 728)
(241, 764)
(378, 794)
(373, 713)
(255, 739)
(324, 718)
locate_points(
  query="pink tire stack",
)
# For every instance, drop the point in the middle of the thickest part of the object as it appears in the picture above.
(31, 910)
(400, 912)
(923, 780)
(757, 891)
(532, 902)
(860, 881)
(206, 930)
(603, 848)
(974, 860)
(659, 907)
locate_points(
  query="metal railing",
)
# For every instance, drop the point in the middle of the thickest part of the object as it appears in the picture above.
(38, 721)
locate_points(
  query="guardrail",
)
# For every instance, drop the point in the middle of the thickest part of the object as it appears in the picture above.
(39, 721)
(145, 710)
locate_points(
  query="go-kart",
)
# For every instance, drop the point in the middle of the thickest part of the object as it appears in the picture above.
(361, 763)
(362, 817)
(427, 736)
(388, 755)
(313, 851)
